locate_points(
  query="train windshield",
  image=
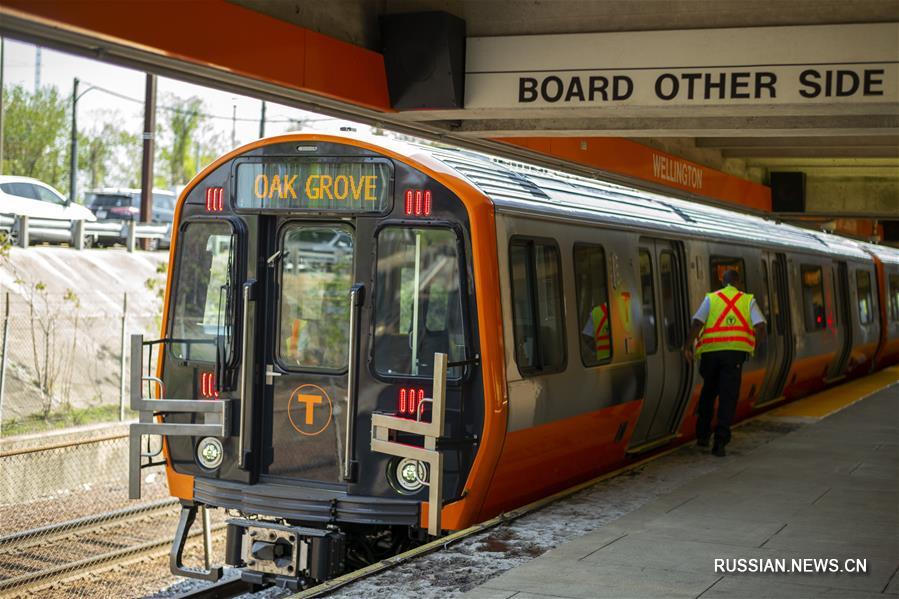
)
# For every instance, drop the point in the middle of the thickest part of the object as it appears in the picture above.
(203, 295)
(419, 305)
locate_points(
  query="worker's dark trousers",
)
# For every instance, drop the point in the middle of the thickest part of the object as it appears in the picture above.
(721, 373)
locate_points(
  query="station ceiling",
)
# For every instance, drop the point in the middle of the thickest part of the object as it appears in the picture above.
(850, 156)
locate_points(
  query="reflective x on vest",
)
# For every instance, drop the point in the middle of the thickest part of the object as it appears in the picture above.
(729, 314)
(601, 337)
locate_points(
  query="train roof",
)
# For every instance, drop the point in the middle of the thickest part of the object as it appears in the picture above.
(520, 187)
(884, 253)
(524, 188)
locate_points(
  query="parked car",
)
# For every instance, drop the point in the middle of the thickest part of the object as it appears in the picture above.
(24, 196)
(123, 205)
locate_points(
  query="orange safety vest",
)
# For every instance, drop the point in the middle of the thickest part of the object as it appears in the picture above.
(727, 326)
(601, 338)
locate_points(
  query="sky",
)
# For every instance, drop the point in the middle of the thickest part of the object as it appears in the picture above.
(59, 69)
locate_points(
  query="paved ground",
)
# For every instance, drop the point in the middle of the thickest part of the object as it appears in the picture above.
(827, 490)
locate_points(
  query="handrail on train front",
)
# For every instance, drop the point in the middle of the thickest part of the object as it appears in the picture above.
(383, 424)
(218, 411)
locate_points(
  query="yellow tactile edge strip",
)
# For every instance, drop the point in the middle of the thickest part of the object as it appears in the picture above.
(825, 403)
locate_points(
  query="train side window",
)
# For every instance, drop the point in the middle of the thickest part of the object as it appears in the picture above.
(813, 298)
(765, 305)
(894, 298)
(594, 318)
(650, 338)
(667, 286)
(316, 272)
(718, 265)
(836, 298)
(865, 301)
(538, 320)
(202, 309)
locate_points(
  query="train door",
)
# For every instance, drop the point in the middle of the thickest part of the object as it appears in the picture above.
(842, 321)
(312, 307)
(665, 321)
(779, 345)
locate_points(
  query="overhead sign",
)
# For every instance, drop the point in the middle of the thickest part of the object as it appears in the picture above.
(310, 184)
(703, 67)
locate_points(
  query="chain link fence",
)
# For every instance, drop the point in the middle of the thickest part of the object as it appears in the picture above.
(64, 508)
(64, 359)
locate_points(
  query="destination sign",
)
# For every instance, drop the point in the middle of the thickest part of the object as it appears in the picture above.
(314, 185)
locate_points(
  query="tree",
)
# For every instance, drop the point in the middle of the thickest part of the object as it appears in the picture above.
(100, 152)
(36, 129)
(186, 140)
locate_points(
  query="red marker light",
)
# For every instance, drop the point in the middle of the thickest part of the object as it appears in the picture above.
(409, 400)
(417, 202)
(215, 199)
(207, 385)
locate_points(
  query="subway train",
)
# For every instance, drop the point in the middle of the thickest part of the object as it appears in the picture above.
(367, 343)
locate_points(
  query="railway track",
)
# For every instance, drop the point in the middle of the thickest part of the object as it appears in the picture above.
(33, 559)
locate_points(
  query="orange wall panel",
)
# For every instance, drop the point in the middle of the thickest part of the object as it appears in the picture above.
(222, 35)
(631, 159)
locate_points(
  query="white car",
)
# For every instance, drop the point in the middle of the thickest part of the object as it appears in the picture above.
(24, 196)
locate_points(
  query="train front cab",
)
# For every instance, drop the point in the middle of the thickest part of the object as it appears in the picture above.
(312, 281)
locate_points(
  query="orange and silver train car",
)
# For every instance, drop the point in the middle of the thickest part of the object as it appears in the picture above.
(315, 281)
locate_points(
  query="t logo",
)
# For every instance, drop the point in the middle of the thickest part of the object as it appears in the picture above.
(310, 401)
(309, 410)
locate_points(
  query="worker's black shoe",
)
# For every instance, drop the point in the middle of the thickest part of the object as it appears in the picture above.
(718, 450)
(702, 442)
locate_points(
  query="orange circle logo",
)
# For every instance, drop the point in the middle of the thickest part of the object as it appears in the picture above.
(306, 407)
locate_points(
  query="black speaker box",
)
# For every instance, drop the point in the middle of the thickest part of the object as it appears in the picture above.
(788, 192)
(424, 54)
(890, 230)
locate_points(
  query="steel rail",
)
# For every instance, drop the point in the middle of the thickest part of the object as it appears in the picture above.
(223, 589)
(86, 566)
(85, 524)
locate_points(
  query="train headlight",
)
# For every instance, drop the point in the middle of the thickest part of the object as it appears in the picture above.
(411, 475)
(210, 452)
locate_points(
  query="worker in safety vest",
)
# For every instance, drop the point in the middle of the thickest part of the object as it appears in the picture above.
(597, 328)
(728, 325)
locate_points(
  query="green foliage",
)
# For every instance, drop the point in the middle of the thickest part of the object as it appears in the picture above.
(107, 156)
(36, 131)
(65, 417)
(185, 140)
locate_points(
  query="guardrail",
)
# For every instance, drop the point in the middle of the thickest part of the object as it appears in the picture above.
(79, 233)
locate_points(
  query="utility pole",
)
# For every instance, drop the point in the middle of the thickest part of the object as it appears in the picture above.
(73, 149)
(234, 125)
(146, 174)
(2, 45)
(262, 121)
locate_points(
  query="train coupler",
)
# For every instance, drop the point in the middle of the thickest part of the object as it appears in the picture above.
(292, 557)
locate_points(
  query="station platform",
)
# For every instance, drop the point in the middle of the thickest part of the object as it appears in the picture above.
(827, 491)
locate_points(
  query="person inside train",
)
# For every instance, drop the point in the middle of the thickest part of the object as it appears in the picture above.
(726, 329)
(596, 331)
